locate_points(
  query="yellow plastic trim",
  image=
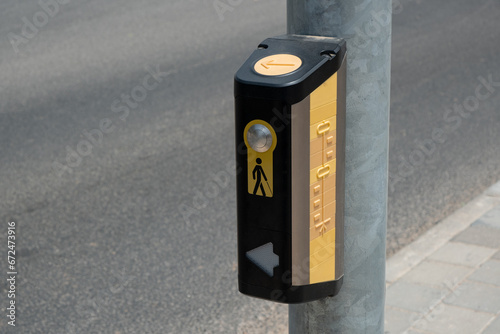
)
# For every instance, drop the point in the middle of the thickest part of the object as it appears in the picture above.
(325, 93)
(267, 162)
(324, 128)
(326, 111)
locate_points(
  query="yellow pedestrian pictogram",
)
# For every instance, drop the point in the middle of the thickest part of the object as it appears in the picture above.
(260, 157)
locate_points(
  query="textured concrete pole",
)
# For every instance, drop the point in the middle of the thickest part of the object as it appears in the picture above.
(366, 26)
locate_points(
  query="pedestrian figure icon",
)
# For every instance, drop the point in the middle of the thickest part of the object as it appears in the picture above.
(260, 139)
(258, 174)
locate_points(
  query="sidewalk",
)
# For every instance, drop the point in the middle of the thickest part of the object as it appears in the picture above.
(448, 280)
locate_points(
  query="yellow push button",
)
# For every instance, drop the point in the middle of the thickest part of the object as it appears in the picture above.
(278, 64)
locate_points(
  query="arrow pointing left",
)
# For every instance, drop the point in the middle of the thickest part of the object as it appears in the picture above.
(264, 258)
(271, 63)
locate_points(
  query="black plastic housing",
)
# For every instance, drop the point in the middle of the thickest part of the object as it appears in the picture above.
(264, 219)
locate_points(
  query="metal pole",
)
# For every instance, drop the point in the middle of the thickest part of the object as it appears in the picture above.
(366, 26)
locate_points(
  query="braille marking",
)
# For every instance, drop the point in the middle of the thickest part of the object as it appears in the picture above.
(323, 124)
(323, 127)
(323, 171)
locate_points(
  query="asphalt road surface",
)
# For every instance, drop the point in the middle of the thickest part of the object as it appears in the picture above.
(125, 209)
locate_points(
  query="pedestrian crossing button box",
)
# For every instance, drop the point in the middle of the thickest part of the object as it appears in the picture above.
(290, 151)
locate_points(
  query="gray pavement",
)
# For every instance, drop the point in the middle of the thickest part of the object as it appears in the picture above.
(448, 280)
(439, 52)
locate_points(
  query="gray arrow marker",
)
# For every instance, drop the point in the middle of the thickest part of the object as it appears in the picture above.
(264, 258)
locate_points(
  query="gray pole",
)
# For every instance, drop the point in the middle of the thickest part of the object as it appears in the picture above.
(366, 26)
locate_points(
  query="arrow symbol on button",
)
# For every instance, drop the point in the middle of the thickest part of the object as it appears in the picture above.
(271, 63)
